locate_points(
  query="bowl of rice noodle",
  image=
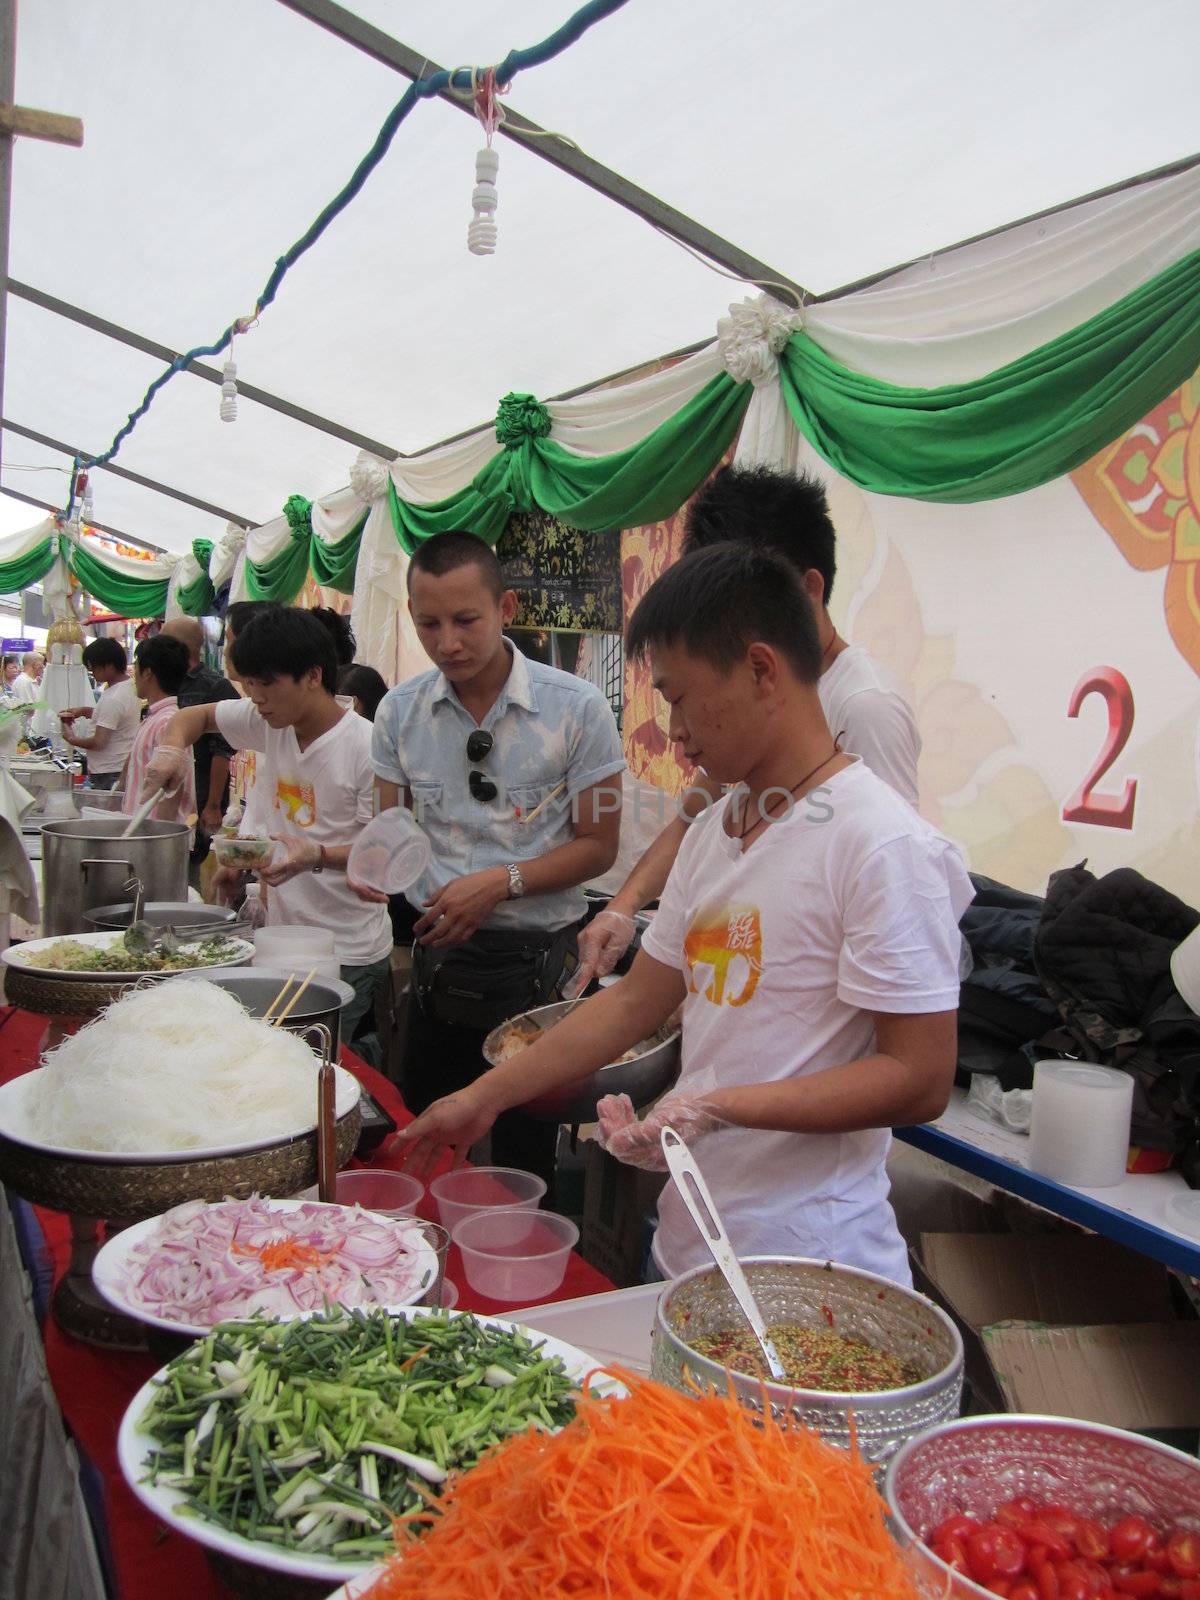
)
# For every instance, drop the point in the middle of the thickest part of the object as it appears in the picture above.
(643, 1072)
(174, 1092)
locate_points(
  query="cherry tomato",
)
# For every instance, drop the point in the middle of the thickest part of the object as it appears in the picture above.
(1183, 1554)
(1098, 1577)
(953, 1528)
(1018, 1511)
(994, 1551)
(1056, 1545)
(1024, 1589)
(1132, 1580)
(952, 1551)
(1170, 1587)
(1072, 1581)
(1155, 1558)
(1130, 1538)
(1045, 1574)
(1189, 1589)
(1002, 1587)
(1063, 1522)
(1091, 1540)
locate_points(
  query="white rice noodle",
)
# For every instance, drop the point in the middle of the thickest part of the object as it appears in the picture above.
(176, 1066)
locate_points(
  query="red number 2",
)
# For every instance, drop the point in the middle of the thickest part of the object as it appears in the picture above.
(1104, 810)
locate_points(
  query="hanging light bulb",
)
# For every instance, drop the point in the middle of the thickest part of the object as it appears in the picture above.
(88, 504)
(482, 231)
(229, 391)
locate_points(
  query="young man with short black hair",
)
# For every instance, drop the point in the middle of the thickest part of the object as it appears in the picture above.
(159, 668)
(864, 706)
(318, 755)
(809, 929)
(512, 769)
(114, 718)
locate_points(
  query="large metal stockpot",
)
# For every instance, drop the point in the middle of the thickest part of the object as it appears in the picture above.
(86, 864)
(192, 915)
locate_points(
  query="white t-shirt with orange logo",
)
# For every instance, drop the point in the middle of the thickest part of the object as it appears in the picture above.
(324, 793)
(847, 906)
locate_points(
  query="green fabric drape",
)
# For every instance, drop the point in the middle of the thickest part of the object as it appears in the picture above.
(199, 598)
(31, 568)
(282, 577)
(1016, 428)
(128, 597)
(645, 483)
(333, 565)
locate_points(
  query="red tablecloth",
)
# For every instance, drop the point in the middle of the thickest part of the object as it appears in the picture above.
(94, 1386)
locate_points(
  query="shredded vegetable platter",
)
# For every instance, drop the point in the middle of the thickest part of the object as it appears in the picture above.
(131, 1278)
(291, 1445)
(15, 1125)
(38, 956)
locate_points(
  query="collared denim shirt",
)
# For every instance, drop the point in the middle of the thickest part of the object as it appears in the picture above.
(548, 728)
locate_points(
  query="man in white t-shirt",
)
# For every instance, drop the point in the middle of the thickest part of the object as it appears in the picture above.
(863, 702)
(809, 930)
(26, 686)
(318, 755)
(113, 720)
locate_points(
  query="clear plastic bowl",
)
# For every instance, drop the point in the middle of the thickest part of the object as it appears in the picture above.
(291, 940)
(461, 1194)
(392, 1194)
(515, 1255)
(243, 853)
(390, 853)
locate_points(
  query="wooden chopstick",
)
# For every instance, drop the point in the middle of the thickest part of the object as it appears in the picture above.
(542, 804)
(269, 1013)
(292, 1003)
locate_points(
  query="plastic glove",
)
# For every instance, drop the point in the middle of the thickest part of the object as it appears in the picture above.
(601, 945)
(637, 1143)
(166, 770)
(302, 856)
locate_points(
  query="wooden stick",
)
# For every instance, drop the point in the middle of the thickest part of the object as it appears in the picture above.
(269, 1013)
(326, 1133)
(51, 125)
(542, 804)
(292, 1003)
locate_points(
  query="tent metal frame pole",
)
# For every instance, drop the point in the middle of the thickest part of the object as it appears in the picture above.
(8, 84)
(164, 353)
(72, 452)
(104, 527)
(559, 152)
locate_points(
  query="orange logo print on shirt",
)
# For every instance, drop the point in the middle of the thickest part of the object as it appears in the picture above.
(723, 949)
(297, 801)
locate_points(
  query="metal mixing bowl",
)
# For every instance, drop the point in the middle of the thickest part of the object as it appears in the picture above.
(179, 914)
(818, 1294)
(974, 1464)
(643, 1079)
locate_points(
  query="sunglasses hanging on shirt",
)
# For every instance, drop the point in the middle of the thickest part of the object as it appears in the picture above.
(479, 746)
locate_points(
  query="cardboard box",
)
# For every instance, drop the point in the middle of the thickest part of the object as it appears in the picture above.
(618, 1207)
(1069, 1324)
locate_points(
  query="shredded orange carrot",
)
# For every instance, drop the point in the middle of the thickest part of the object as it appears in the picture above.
(278, 1254)
(655, 1495)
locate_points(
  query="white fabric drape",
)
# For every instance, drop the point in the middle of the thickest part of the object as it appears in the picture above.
(129, 566)
(20, 544)
(335, 515)
(968, 312)
(187, 570)
(225, 553)
(386, 639)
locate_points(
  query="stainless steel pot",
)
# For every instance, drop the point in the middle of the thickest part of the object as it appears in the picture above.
(256, 987)
(643, 1079)
(163, 914)
(86, 864)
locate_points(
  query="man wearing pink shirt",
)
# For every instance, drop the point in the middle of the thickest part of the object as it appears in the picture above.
(159, 667)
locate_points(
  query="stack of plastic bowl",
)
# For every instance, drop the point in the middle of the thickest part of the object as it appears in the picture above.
(297, 950)
(511, 1252)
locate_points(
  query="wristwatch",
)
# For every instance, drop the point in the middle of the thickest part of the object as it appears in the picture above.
(320, 866)
(516, 883)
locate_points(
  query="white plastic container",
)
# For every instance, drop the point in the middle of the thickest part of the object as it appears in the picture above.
(515, 1255)
(460, 1194)
(288, 948)
(391, 852)
(1080, 1129)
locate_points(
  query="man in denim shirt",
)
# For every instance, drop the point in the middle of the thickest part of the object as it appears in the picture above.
(513, 770)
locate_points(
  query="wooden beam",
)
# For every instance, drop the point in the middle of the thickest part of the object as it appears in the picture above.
(50, 126)
(558, 151)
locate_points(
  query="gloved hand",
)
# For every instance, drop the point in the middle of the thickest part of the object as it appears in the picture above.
(302, 856)
(602, 943)
(166, 770)
(637, 1143)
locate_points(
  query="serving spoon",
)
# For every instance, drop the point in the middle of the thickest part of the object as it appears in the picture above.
(694, 1193)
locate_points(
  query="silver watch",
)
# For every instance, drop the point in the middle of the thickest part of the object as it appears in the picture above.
(516, 883)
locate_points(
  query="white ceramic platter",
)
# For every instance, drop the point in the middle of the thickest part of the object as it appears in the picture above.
(20, 957)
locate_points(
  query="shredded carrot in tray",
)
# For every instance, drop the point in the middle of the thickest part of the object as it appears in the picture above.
(657, 1495)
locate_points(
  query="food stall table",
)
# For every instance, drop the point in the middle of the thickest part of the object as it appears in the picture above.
(93, 1386)
(1132, 1213)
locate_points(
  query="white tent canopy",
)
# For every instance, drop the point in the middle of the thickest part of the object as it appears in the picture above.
(831, 142)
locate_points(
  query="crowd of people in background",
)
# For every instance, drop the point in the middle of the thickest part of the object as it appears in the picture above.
(811, 956)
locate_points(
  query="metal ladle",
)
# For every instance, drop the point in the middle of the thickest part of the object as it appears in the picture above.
(694, 1193)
